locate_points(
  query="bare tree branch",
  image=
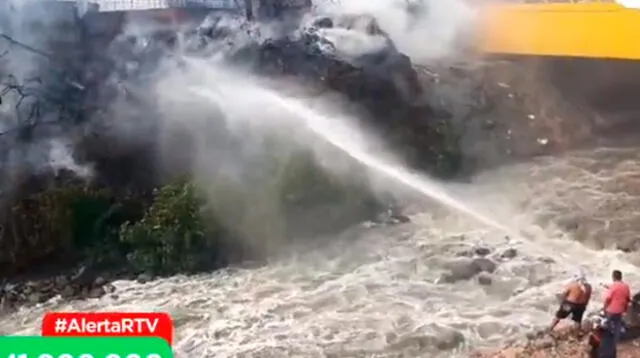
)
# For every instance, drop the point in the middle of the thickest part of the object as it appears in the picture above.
(33, 92)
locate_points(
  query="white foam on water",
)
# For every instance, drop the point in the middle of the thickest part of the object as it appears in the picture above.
(376, 292)
(372, 296)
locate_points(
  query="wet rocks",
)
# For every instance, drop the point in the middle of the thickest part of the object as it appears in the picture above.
(99, 281)
(144, 278)
(509, 253)
(485, 279)
(95, 292)
(448, 339)
(484, 265)
(465, 268)
(482, 251)
(464, 253)
(67, 292)
(80, 284)
(460, 269)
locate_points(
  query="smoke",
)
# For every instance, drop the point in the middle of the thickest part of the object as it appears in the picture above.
(425, 30)
(242, 148)
(18, 21)
(33, 82)
(61, 157)
(197, 114)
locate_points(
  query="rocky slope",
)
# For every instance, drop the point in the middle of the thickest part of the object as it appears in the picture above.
(507, 110)
(561, 344)
(510, 109)
(564, 342)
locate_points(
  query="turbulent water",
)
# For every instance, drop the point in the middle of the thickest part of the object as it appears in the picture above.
(376, 291)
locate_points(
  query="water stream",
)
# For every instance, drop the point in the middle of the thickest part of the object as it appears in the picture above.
(375, 292)
(340, 134)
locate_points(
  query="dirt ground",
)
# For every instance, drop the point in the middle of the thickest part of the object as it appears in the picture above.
(561, 344)
(510, 109)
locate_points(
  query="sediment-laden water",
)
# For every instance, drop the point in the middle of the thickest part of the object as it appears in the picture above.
(379, 291)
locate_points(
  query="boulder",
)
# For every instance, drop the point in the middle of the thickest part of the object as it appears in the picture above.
(464, 268)
(448, 339)
(509, 253)
(485, 279)
(96, 292)
(484, 264)
(460, 269)
(144, 278)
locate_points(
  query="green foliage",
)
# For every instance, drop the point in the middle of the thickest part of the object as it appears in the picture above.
(60, 222)
(188, 226)
(315, 201)
(172, 236)
(36, 226)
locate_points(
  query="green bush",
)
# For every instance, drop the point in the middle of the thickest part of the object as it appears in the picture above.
(186, 226)
(285, 196)
(172, 235)
(60, 222)
(35, 227)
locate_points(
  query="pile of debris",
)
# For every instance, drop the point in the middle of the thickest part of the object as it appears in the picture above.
(379, 81)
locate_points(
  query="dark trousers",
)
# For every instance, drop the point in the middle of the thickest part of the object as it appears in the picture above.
(610, 338)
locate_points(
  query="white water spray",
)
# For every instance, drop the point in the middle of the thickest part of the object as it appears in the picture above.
(377, 293)
(325, 127)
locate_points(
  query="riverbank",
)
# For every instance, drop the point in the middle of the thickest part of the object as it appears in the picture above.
(563, 343)
(69, 284)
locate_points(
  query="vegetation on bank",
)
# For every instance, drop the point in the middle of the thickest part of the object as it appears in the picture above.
(183, 225)
(190, 224)
(186, 224)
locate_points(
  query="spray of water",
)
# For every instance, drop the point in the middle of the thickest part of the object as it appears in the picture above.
(336, 132)
(378, 293)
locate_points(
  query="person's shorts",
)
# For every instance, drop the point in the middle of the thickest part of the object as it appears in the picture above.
(575, 310)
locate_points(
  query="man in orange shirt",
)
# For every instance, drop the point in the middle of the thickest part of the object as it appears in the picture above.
(616, 302)
(575, 298)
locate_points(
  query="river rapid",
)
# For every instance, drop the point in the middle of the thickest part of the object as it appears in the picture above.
(377, 291)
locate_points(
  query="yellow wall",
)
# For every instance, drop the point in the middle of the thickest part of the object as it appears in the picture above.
(601, 30)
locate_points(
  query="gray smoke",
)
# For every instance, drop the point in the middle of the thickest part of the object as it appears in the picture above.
(33, 84)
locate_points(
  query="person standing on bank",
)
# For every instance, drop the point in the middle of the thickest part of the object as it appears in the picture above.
(575, 298)
(616, 302)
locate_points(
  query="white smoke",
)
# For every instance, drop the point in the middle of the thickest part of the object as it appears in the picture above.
(422, 29)
(61, 157)
(28, 30)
